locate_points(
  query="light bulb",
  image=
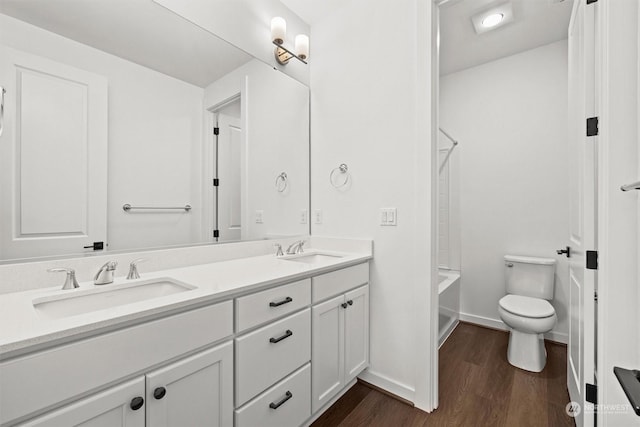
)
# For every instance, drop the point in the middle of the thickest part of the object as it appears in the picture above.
(302, 46)
(278, 30)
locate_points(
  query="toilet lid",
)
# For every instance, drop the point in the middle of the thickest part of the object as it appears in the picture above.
(527, 306)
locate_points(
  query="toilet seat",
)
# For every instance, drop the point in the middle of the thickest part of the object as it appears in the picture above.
(535, 308)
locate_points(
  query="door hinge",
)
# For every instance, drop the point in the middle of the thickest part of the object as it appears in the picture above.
(216, 182)
(592, 260)
(216, 233)
(592, 126)
(591, 393)
(216, 130)
(591, 1)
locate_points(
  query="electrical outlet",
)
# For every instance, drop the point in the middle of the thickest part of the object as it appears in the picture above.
(259, 217)
(389, 216)
(304, 216)
(317, 216)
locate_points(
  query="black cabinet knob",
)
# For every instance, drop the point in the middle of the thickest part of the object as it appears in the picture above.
(344, 305)
(136, 403)
(159, 392)
(350, 302)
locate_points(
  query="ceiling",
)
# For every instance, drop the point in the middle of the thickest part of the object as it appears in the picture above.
(536, 23)
(140, 31)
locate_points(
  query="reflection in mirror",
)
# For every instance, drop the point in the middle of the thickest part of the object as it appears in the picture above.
(107, 106)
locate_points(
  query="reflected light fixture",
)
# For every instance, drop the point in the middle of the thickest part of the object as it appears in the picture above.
(283, 55)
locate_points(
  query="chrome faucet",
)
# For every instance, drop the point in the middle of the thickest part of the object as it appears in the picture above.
(70, 282)
(105, 274)
(133, 269)
(295, 248)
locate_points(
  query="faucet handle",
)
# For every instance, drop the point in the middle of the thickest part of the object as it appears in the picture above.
(70, 282)
(278, 247)
(133, 269)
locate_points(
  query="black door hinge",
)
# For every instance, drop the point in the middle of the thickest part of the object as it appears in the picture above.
(216, 233)
(591, 393)
(591, 1)
(216, 182)
(592, 126)
(592, 260)
(216, 130)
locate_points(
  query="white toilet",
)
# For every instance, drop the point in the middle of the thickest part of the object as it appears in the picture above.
(526, 309)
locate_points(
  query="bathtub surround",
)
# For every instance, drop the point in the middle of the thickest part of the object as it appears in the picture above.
(511, 115)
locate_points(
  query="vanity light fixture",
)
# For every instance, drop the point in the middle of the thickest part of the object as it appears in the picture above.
(283, 55)
(492, 18)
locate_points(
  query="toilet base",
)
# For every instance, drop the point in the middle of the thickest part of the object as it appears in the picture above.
(527, 351)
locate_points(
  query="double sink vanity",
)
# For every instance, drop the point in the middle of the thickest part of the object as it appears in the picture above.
(255, 341)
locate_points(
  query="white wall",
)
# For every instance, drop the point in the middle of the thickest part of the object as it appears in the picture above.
(251, 33)
(370, 95)
(155, 132)
(275, 124)
(510, 117)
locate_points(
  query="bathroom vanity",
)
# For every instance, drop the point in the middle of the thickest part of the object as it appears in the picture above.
(253, 341)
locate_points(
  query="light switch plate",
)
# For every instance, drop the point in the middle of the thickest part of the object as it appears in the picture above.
(259, 217)
(389, 216)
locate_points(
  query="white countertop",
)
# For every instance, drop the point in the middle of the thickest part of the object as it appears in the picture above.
(23, 330)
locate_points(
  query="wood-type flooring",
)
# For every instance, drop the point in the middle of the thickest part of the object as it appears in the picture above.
(478, 387)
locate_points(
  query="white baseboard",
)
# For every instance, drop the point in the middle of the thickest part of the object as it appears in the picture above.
(392, 386)
(329, 403)
(556, 336)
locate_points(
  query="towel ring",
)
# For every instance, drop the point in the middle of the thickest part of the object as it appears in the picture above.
(281, 182)
(339, 177)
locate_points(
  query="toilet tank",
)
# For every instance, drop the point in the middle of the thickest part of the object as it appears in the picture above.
(529, 276)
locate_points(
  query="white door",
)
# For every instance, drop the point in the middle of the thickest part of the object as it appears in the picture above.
(196, 391)
(582, 180)
(53, 157)
(119, 406)
(229, 163)
(327, 359)
(356, 332)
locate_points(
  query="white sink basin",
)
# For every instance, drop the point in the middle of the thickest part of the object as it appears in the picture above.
(314, 258)
(80, 301)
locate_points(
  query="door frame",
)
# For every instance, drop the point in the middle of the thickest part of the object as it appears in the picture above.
(209, 160)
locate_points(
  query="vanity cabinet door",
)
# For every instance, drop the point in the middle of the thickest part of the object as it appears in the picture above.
(119, 406)
(356, 332)
(195, 391)
(327, 360)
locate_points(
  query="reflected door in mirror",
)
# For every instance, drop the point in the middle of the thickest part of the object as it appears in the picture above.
(53, 157)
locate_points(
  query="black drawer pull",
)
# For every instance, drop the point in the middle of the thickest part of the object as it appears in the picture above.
(344, 305)
(136, 403)
(281, 337)
(159, 393)
(279, 303)
(276, 405)
(350, 302)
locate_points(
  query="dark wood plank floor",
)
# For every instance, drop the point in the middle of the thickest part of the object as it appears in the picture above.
(478, 387)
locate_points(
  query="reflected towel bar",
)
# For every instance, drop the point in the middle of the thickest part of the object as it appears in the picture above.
(628, 187)
(127, 207)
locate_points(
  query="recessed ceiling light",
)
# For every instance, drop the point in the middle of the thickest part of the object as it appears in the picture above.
(492, 20)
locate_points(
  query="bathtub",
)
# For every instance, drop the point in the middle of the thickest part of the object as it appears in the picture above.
(449, 303)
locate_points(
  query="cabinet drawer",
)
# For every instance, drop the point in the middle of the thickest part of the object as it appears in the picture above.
(255, 309)
(268, 354)
(76, 368)
(287, 403)
(337, 282)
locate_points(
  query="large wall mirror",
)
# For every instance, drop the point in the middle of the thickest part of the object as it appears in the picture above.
(128, 125)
